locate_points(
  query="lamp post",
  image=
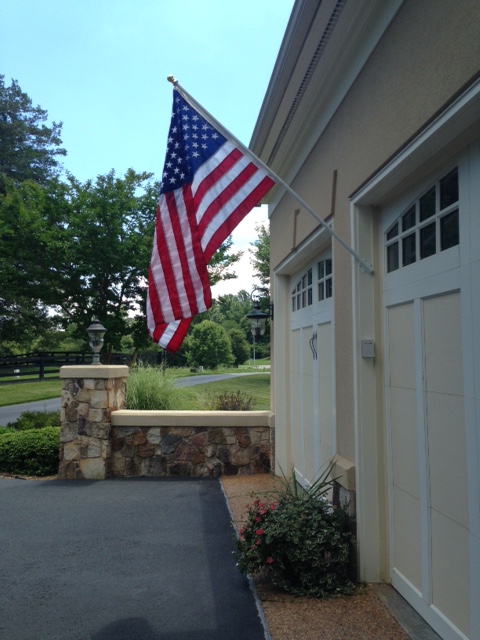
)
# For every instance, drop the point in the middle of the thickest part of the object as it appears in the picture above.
(257, 320)
(96, 332)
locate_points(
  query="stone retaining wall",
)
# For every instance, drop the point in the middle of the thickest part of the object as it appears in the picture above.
(193, 446)
(99, 438)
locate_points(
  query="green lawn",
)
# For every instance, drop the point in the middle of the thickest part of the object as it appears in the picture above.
(257, 386)
(20, 392)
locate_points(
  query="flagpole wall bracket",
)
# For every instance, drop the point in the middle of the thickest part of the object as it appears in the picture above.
(365, 267)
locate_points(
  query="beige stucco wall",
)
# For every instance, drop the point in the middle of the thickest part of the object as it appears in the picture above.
(418, 65)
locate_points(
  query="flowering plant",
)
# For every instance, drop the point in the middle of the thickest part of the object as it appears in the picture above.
(301, 541)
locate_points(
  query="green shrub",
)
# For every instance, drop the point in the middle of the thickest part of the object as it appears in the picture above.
(36, 420)
(301, 541)
(5, 430)
(231, 401)
(209, 346)
(240, 347)
(33, 452)
(152, 389)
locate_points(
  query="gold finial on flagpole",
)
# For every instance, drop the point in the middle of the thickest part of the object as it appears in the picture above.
(172, 79)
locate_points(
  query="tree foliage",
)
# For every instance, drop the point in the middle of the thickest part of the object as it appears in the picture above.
(240, 347)
(29, 146)
(260, 259)
(209, 346)
(80, 249)
(222, 260)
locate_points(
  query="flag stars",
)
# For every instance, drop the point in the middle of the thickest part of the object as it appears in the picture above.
(191, 142)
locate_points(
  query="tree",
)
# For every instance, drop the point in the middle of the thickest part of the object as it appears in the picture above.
(240, 347)
(230, 311)
(209, 346)
(21, 321)
(81, 249)
(29, 147)
(222, 260)
(261, 256)
(261, 266)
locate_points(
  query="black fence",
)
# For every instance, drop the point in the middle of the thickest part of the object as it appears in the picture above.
(39, 366)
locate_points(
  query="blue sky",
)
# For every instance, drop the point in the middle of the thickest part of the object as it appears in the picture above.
(100, 67)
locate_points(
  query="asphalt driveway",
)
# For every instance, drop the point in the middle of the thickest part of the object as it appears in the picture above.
(137, 559)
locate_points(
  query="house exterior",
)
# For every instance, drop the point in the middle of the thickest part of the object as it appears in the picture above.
(372, 115)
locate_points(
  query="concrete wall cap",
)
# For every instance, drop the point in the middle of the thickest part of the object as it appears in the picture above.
(94, 371)
(130, 418)
(346, 472)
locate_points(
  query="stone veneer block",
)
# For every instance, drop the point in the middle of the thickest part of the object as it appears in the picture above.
(90, 394)
(191, 450)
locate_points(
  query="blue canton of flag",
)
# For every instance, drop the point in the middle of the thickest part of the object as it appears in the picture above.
(191, 141)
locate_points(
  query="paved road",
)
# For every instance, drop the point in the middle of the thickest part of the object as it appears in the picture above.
(194, 380)
(12, 412)
(136, 559)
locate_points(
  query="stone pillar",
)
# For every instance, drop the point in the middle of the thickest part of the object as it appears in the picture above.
(90, 393)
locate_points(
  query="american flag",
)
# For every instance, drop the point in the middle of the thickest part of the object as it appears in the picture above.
(208, 187)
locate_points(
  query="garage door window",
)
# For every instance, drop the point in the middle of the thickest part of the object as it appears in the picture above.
(429, 225)
(302, 294)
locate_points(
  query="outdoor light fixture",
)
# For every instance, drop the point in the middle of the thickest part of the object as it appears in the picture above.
(96, 331)
(257, 321)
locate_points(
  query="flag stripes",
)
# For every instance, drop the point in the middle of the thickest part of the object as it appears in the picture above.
(208, 188)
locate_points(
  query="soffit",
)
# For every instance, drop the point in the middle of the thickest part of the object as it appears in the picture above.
(326, 44)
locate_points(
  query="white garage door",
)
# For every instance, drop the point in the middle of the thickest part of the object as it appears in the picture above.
(312, 390)
(427, 295)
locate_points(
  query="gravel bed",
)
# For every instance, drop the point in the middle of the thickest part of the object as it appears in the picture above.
(361, 616)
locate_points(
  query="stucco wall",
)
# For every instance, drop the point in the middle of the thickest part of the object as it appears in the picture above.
(419, 63)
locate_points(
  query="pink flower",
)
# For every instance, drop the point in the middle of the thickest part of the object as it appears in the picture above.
(259, 532)
(269, 560)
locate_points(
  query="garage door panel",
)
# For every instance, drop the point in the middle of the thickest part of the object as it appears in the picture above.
(443, 345)
(404, 440)
(407, 549)
(446, 442)
(401, 347)
(296, 394)
(450, 570)
(325, 393)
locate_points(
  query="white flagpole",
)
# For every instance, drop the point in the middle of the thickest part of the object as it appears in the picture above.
(227, 134)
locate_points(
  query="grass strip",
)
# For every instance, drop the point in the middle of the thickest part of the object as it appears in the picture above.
(257, 386)
(20, 392)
